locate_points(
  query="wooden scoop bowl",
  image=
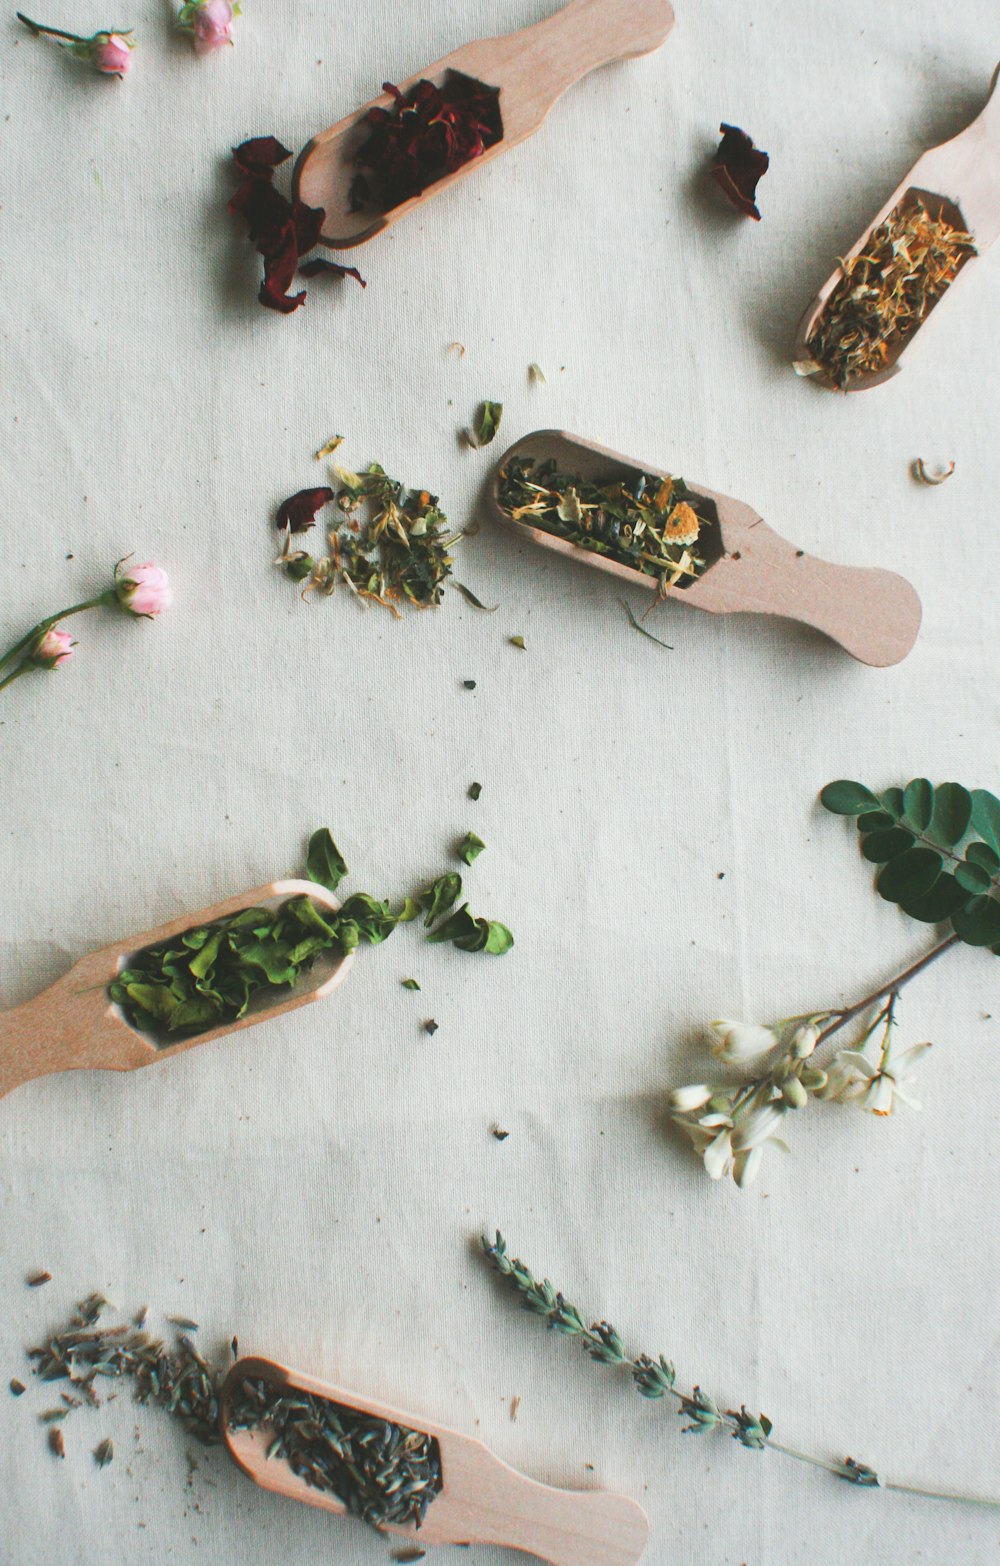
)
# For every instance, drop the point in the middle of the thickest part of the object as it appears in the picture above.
(482, 1500)
(75, 1026)
(532, 68)
(873, 614)
(959, 181)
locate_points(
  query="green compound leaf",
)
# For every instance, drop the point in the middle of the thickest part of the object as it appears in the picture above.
(937, 905)
(325, 864)
(911, 875)
(876, 821)
(892, 801)
(982, 854)
(880, 847)
(918, 803)
(951, 815)
(845, 798)
(973, 878)
(978, 923)
(986, 817)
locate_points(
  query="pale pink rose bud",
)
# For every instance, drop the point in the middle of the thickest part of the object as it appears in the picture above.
(144, 589)
(111, 54)
(52, 649)
(212, 25)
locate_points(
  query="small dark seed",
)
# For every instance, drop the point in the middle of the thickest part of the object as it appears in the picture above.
(430, 1026)
(35, 1280)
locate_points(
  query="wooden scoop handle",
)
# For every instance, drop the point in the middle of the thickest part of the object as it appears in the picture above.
(564, 1527)
(873, 614)
(584, 35)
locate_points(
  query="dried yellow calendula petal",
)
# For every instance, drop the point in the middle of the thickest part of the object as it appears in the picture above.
(682, 525)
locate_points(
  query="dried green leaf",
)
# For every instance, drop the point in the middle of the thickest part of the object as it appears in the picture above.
(471, 598)
(487, 421)
(518, 641)
(325, 864)
(410, 984)
(104, 1452)
(441, 895)
(475, 789)
(535, 374)
(470, 848)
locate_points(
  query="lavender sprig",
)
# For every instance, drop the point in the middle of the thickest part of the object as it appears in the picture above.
(656, 1379)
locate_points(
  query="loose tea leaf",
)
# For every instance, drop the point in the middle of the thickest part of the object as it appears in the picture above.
(475, 789)
(431, 1027)
(17, 1388)
(400, 554)
(487, 422)
(535, 374)
(325, 864)
(638, 626)
(469, 685)
(437, 898)
(57, 1442)
(923, 475)
(104, 1452)
(410, 984)
(329, 448)
(36, 1279)
(885, 293)
(470, 847)
(429, 132)
(657, 526)
(471, 598)
(384, 1473)
(737, 168)
(518, 641)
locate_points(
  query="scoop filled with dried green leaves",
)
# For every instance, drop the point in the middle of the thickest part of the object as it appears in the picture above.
(674, 539)
(937, 850)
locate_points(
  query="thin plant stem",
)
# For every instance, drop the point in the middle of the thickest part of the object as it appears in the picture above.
(108, 597)
(543, 1301)
(22, 668)
(51, 32)
(893, 986)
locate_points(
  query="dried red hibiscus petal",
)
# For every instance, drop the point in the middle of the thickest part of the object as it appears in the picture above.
(281, 230)
(334, 268)
(737, 168)
(298, 512)
(429, 132)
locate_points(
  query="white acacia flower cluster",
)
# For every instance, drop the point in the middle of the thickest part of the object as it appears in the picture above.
(731, 1126)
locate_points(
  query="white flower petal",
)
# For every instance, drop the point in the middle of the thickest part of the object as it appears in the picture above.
(880, 1094)
(686, 1099)
(718, 1156)
(757, 1126)
(907, 1098)
(902, 1065)
(747, 1166)
(850, 1060)
(739, 1041)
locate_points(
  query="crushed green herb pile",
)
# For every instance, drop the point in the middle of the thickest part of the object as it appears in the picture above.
(657, 526)
(885, 294)
(382, 1472)
(400, 553)
(208, 976)
(177, 1380)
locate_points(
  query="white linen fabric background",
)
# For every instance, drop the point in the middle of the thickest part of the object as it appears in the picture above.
(315, 1185)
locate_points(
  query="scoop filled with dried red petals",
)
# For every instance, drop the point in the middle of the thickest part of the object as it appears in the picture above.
(737, 167)
(428, 132)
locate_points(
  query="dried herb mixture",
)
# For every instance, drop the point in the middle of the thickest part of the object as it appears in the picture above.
(657, 526)
(429, 132)
(382, 1472)
(399, 554)
(885, 293)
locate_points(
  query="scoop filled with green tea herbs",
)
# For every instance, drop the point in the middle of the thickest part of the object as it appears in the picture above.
(946, 211)
(320, 1444)
(656, 531)
(421, 136)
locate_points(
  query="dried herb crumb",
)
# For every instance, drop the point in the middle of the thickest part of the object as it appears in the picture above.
(470, 848)
(737, 168)
(35, 1280)
(184, 1322)
(104, 1452)
(330, 447)
(471, 598)
(923, 475)
(57, 1444)
(475, 789)
(431, 1027)
(17, 1388)
(487, 421)
(535, 375)
(470, 685)
(410, 984)
(499, 1133)
(518, 641)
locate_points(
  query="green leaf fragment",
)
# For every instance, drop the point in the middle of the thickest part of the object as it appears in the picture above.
(918, 803)
(951, 814)
(518, 641)
(475, 789)
(325, 864)
(487, 421)
(470, 848)
(471, 598)
(845, 798)
(441, 895)
(499, 939)
(410, 984)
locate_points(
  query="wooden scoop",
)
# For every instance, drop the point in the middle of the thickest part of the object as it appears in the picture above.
(75, 1026)
(959, 181)
(482, 1500)
(532, 69)
(873, 614)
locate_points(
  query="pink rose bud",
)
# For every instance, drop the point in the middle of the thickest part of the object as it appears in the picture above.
(144, 589)
(111, 54)
(212, 25)
(52, 649)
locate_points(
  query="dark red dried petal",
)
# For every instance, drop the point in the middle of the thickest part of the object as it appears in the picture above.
(281, 257)
(308, 222)
(298, 512)
(737, 168)
(320, 265)
(264, 209)
(260, 156)
(429, 132)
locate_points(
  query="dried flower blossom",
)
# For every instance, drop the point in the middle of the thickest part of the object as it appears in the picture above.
(109, 53)
(210, 23)
(737, 167)
(851, 1075)
(52, 649)
(738, 1041)
(143, 590)
(429, 132)
(886, 291)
